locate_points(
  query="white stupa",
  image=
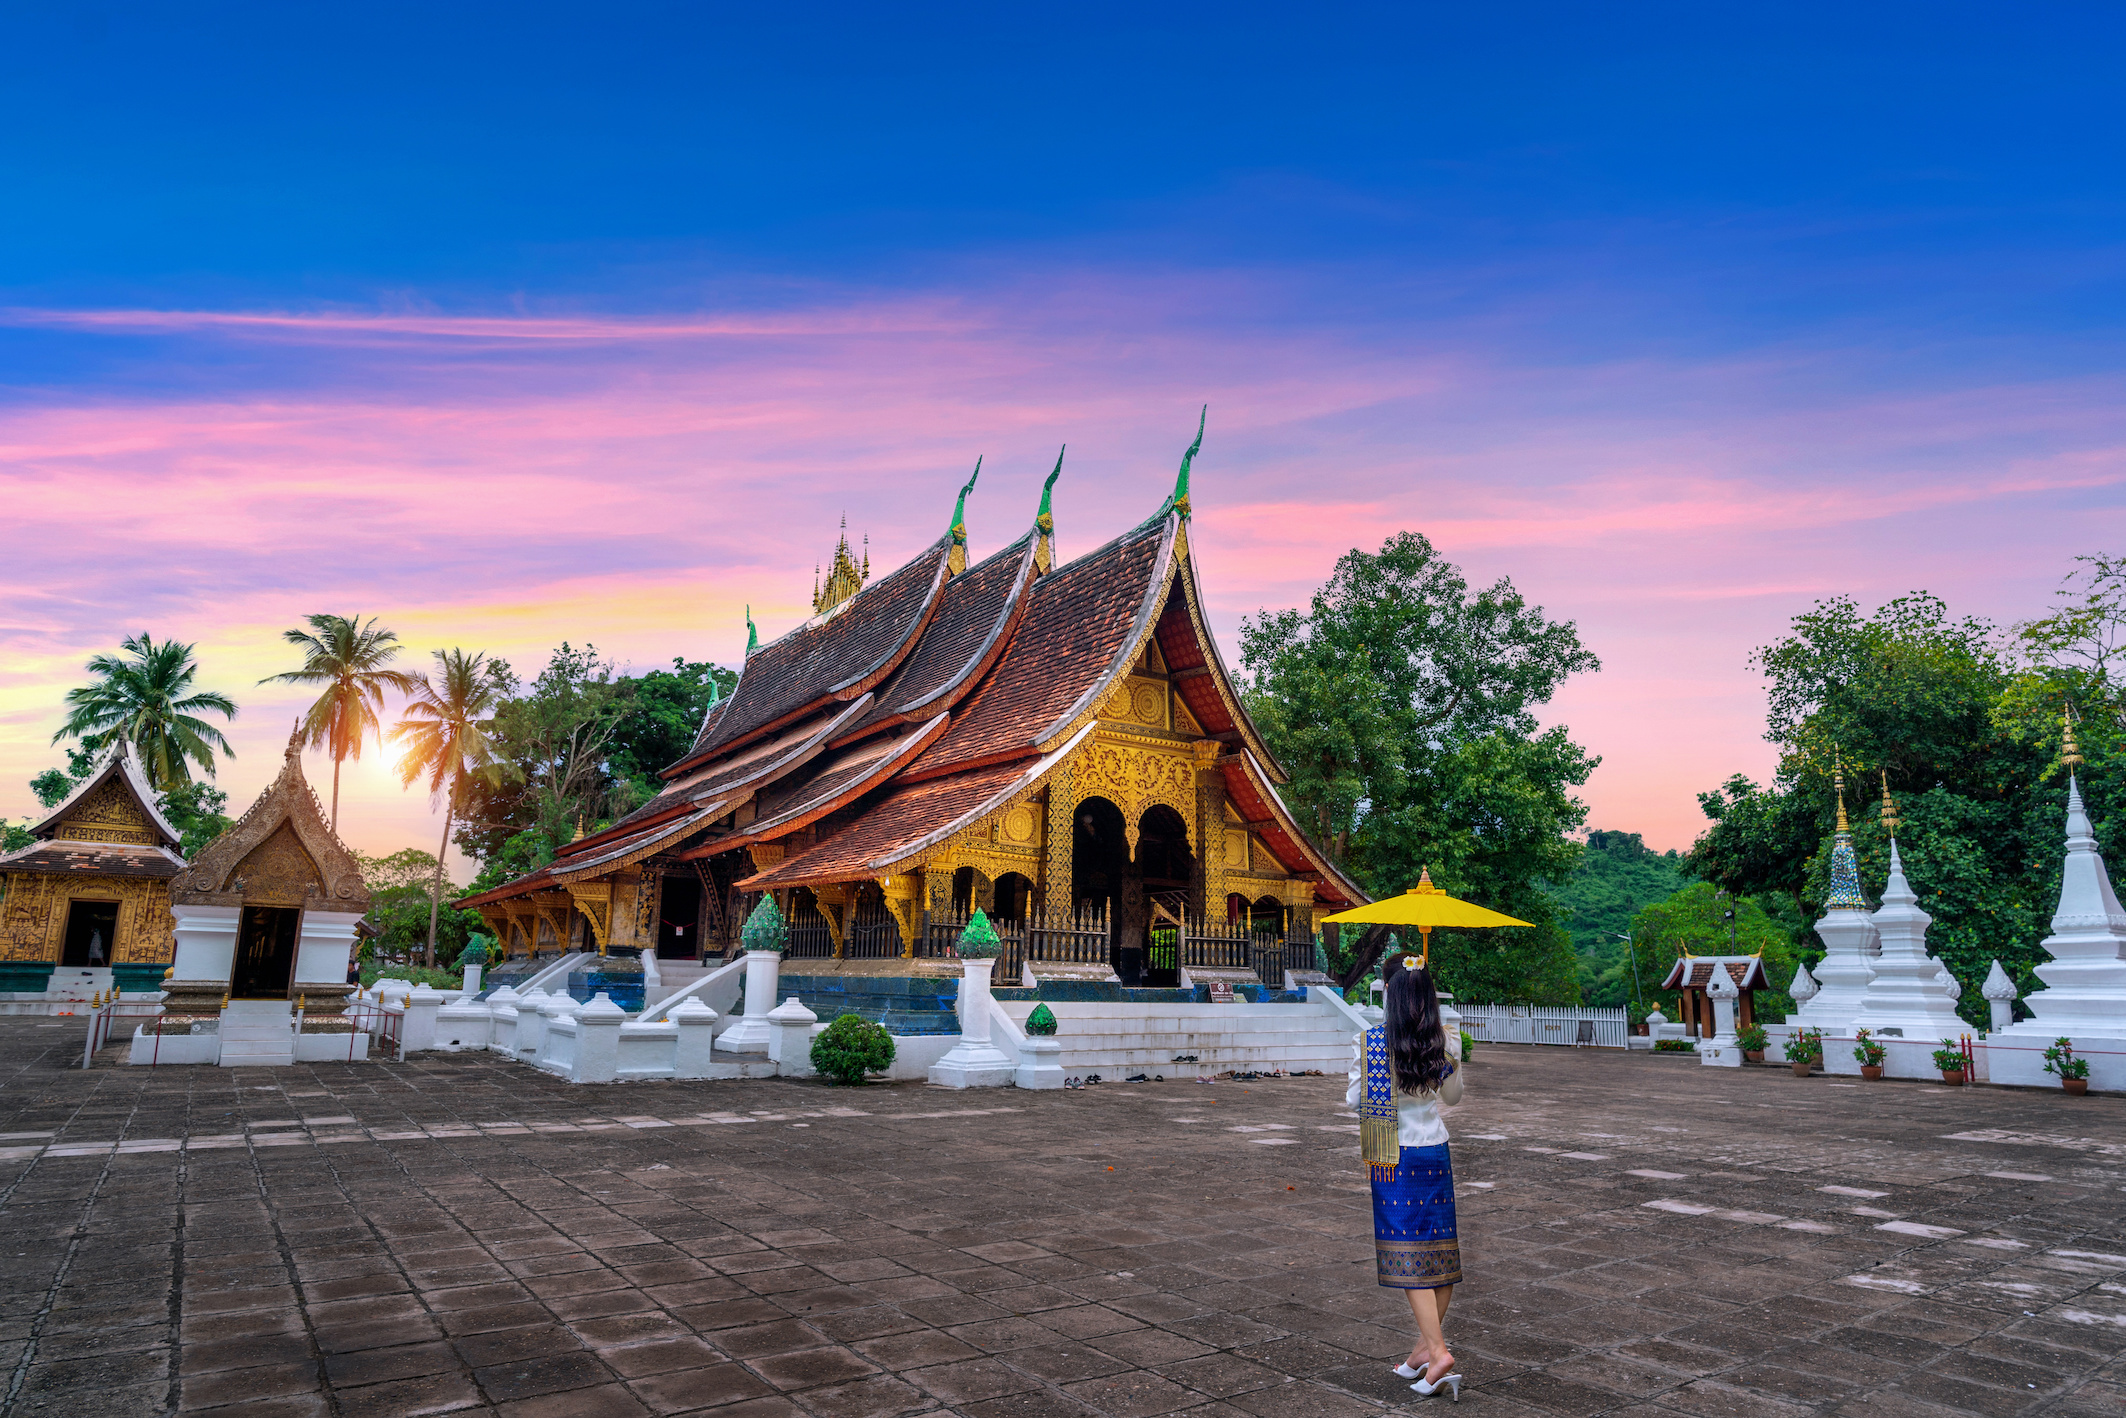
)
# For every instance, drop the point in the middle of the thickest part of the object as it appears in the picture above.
(2084, 998)
(1849, 941)
(1912, 995)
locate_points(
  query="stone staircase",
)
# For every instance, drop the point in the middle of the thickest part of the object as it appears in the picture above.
(676, 975)
(257, 1033)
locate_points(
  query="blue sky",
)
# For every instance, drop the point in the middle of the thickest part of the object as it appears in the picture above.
(1679, 316)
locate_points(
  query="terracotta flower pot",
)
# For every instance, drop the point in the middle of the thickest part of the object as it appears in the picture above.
(2075, 1086)
(1801, 1067)
(1871, 1070)
(1954, 1077)
(1754, 1055)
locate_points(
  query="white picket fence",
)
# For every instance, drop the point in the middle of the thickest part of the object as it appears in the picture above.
(1545, 1024)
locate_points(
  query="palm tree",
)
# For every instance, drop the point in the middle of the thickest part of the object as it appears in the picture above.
(348, 658)
(445, 731)
(146, 696)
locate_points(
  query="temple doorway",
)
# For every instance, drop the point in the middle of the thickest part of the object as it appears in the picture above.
(1166, 867)
(265, 952)
(1100, 883)
(91, 934)
(679, 919)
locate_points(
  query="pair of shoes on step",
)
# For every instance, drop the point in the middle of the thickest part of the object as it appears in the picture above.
(1450, 1381)
(1073, 1082)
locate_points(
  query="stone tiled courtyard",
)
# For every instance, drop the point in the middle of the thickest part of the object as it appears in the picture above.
(461, 1235)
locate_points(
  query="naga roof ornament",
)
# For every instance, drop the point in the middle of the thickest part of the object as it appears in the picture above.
(1044, 522)
(752, 633)
(1178, 502)
(956, 562)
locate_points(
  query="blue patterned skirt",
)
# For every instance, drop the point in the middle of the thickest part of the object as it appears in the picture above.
(1413, 1222)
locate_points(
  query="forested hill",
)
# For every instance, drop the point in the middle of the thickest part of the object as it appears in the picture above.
(1617, 876)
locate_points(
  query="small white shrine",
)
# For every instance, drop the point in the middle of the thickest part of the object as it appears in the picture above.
(1910, 995)
(2084, 998)
(1850, 943)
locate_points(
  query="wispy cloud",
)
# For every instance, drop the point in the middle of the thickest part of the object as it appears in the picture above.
(634, 482)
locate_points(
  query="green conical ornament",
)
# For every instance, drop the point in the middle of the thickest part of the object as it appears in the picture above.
(979, 941)
(1042, 1022)
(765, 928)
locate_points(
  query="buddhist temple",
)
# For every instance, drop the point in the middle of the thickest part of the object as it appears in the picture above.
(1054, 742)
(90, 898)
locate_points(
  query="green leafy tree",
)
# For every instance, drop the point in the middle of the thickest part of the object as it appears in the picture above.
(1616, 876)
(14, 836)
(196, 811)
(403, 889)
(586, 744)
(663, 714)
(1967, 738)
(1695, 921)
(54, 785)
(446, 730)
(1403, 704)
(145, 694)
(2081, 646)
(351, 659)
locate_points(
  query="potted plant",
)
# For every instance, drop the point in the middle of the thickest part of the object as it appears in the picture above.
(1949, 1058)
(1804, 1049)
(2073, 1072)
(1752, 1040)
(1869, 1053)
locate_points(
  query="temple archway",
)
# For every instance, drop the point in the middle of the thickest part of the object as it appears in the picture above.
(1166, 867)
(1014, 897)
(1101, 881)
(971, 889)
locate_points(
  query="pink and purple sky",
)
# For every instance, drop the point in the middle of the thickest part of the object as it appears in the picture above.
(595, 336)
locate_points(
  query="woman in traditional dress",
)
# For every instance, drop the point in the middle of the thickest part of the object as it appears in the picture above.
(1407, 1068)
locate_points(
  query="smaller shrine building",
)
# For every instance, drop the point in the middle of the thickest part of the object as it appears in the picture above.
(87, 904)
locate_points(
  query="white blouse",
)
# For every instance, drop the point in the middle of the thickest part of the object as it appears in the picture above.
(1417, 1117)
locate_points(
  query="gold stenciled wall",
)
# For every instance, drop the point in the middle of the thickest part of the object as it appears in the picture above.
(33, 921)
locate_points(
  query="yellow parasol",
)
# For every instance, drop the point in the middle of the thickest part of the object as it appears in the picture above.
(1424, 906)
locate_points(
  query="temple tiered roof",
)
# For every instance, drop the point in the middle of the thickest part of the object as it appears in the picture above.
(940, 693)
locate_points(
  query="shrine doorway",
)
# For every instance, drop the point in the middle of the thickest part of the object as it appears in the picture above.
(1014, 897)
(679, 919)
(91, 935)
(1101, 883)
(265, 952)
(1166, 867)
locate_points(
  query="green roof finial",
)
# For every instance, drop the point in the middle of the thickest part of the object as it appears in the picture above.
(1179, 501)
(752, 634)
(959, 509)
(1045, 519)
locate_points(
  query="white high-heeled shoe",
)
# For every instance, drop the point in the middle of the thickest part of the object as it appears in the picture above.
(1404, 1371)
(1452, 1382)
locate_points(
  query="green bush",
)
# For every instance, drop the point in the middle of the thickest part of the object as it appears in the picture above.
(851, 1047)
(2060, 1059)
(1042, 1022)
(1867, 1051)
(1949, 1058)
(1468, 1046)
(1675, 1046)
(1804, 1045)
(1752, 1039)
(414, 975)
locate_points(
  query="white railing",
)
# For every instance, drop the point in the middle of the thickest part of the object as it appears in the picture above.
(1546, 1024)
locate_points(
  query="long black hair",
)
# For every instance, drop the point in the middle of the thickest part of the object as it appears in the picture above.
(1417, 1036)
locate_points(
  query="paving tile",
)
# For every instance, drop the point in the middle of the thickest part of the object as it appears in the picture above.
(683, 1270)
